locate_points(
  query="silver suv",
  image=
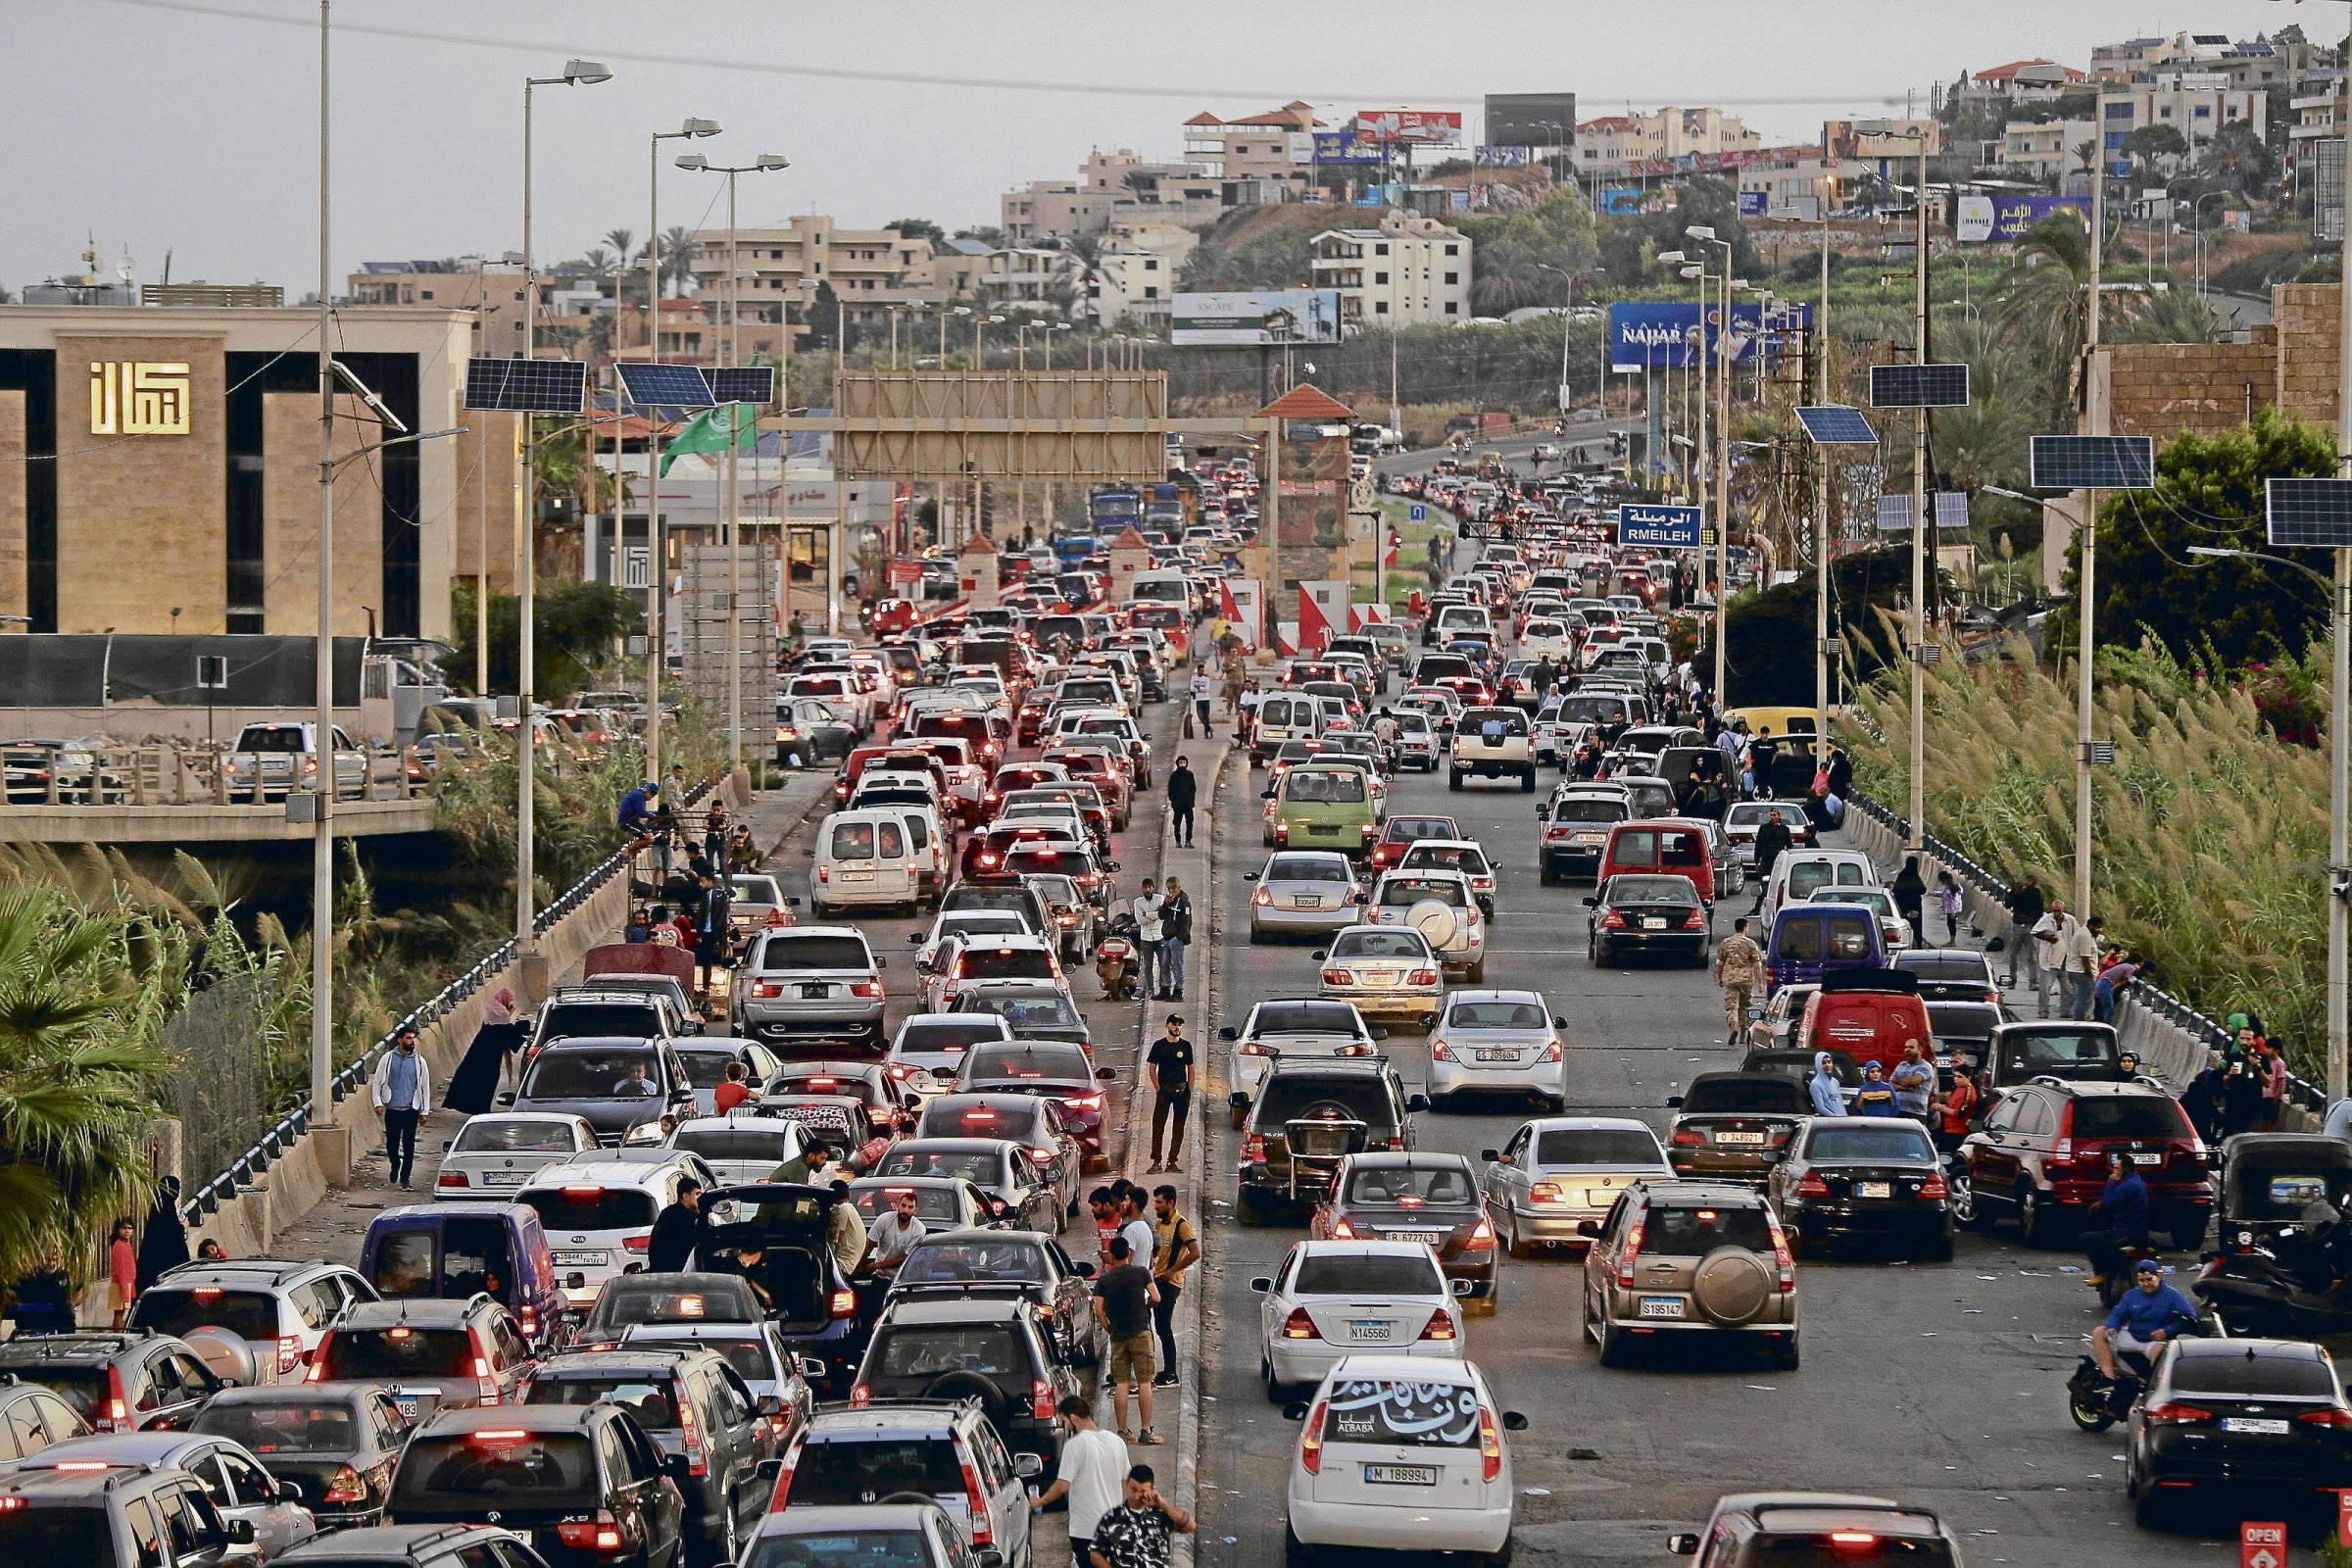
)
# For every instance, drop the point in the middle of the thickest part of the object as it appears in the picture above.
(944, 1450)
(279, 1309)
(813, 984)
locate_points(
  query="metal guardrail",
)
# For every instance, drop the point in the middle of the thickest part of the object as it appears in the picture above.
(2158, 1001)
(283, 1133)
(185, 776)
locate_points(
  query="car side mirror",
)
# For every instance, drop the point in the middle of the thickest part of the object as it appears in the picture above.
(1262, 1285)
(1085, 1271)
(1265, 795)
(990, 1556)
(1413, 1103)
(1229, 1033)
(914, 938)
(793, 900)
(1464, 1287)
(1320, 954)
(1028, 1466)
(1379, 1033)
(1674, 1101)
(1493, 1157)
(507, 1097)
(1295, 1411)
(1249, 877)
(1593, 903)
(1683, 1543)
(1587, 1227)
(1559, 1023)
(240, 1531)
(770, 1405)
(1513, 1421)
(768, 1471)
(881, 963)
(810, 1366)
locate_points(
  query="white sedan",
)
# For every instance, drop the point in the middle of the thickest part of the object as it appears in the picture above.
(1303, 1027)
(1401, 1453)
(1331, 1297)
(499, 1150)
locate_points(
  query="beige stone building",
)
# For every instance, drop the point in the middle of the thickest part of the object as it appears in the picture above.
(155, 458)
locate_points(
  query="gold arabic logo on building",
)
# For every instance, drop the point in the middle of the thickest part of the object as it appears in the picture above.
(138, 397)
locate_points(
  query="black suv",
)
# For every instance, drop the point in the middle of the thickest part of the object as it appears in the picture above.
(1309, 1115)
(995, 1352)
(947, 1265)
(583, 1483)
(117, 1382)
(694, 1406)
(128, 1517)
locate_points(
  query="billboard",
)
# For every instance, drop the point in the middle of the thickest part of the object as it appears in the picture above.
(1429, 127)
(1531, 120)
(1621, 201)
(1667, 527)
(1754, 203)
(1504, 157)
(1346, 147)
(1255, 318)
(1667, 336)
(2006, 218)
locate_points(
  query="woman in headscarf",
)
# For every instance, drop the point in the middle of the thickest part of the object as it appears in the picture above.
(474, 1087)
(1829, 1097)
(164, 1242)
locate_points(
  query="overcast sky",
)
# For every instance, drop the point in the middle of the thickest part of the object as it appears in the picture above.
(190, 127)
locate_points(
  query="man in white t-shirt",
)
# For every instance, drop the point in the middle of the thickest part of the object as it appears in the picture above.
(1148, 934)
(1093, 1472)
(2055, 934)
(894, 1235)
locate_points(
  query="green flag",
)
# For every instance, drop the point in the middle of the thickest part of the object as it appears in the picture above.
(707, 431)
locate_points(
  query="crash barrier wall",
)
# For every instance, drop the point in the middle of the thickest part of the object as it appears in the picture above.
(2170, 1037)
(276, 1180)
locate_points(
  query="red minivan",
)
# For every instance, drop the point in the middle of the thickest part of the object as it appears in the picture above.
(1872, 1015)
(1662, 847)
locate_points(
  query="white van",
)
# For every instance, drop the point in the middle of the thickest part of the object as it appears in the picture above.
(864, 857)
(1283, 717)
(1160, 587)
(925, 829)
(1458, 619)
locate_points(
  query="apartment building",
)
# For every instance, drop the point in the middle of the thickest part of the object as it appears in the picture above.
(2022, 81)
(2042, 150)
(1134, 276)
(1409, 271)
(2198, 103)
(491, 290)
(869, 270)
(1619, 144)
(1112, 187)
(1267, 157)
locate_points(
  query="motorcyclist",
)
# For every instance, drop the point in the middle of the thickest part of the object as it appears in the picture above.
(2122, 1223)
(2148, 1314)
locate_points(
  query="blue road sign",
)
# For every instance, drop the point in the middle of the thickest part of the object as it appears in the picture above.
(1671, 527)
(1417, 512)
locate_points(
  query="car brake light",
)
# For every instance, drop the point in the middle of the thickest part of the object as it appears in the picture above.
(824, 873)
(1254, 1148)
(869, 988)
(452, 1178)
(690, 1433)
(289, 1353)
(1439, 1327)
(1338, 977)
(1612, 920)
(1298, 1326)
(1342, 1231)
(345, 1485)
(1695, 921)
(842, 1303)
(2174, 1413)
(1481, 1239)
(1041, 1399)
(1489, 1445)
(862, 1395)
(1310, 1440)
(600, 1533)
(1688, 1137)
(1041, 1157)
(484, 1386)
(1261, 897)
(638, 1243)
(2327, 1418)
(1933, 1187)
(317, 1371)
(1554, 1051)
(1626, 1259)
(1780, 1251)
(1084, 1102)
(1250, 1048)
(1812, 1186)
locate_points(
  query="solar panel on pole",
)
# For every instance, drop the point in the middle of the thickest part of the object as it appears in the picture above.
(1836, 425)
(1949, 509)
(741, 383)
(2313, 514)
(2093, 462)
(664, 386)
(526, 386)
(1918, 386)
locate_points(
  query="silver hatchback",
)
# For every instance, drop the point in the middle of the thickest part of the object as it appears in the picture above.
(1303, 891)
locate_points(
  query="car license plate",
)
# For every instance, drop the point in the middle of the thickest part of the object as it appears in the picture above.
(815, 991)
(1651, 922)
(407, 1406)
(1497, 1053)
(1661, 1306)
(2255, 1426)
(505, 1178)
(1742, 1139)
(2147, 1160)
(1875, 1189)
(581, 1259)
(1322, 829)
(1400, 1475)
(1362, 1330)
(1306, 903)
(856, 876)
(1380, 977)
(1431, 1238)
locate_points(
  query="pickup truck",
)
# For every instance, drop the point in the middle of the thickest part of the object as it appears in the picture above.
(1492, 743)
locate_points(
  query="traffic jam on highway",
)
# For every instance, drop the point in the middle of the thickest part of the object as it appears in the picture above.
(1580, 1148)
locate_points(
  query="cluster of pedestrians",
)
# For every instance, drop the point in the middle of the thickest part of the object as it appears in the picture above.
(1164, 929)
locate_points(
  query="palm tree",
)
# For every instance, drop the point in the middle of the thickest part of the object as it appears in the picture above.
(79, 1069)
(625, 252)
(599, 264)
(2043, 297)
(678, 258)
(2173, 316)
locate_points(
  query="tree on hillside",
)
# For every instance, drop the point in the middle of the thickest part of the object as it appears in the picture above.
(2209, 492)
(578, 625)
(2156, 143)
(1517, 259)
(1629, 247)
(1280, 258)
(2239, 159)
(1769, 637)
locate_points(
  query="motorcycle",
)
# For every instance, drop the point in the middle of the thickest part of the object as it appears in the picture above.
(1118, 959)
(2097, 1402)
(2257, 1292)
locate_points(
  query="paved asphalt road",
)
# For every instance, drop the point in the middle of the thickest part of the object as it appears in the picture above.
(1942, 1385)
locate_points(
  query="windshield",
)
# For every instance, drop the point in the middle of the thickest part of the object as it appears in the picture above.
(2061, 1049)
(1027, 1061)
(1433, 1414)
(1303, 1018)
(2237, 1377)
(485, 1135)
(305, 1427)
(1587, 809)
(1906, 1144)
(1694, 1232)
(1408, 1186)
(1773, 1094)
(932, 1204)
(1496, 1015)
(580, 1020)
(649, 1398)
(2130, 1117)
(1287, 1099)
(934, 1350)
(790, 951)
(980, 1166)
(1027, 1012)
(984, 962)
(1652, 890)
(167, 1309)
(76, 1533)
(394, 1354)
(592, 1208)
(1403, 892)
(773, 1145)
(850, 1470)
(1597, 1146)
(1643, 846)
(939, 1262)
(1373, 943)
(947, 1037)
(538, 1471)
(1820, 1549)
(842, 1548)
(1377, 1274)
(1305, 869)
(598, 1074)
(1325, 786)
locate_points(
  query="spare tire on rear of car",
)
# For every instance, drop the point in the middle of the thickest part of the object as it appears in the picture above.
(1731, 1285)
(1436, 920)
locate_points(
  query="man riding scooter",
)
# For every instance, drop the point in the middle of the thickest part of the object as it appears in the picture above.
(2149, 1314)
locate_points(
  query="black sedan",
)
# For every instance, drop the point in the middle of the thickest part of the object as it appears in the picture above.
(1857, 1178)
(1025, 1263)
(1050, 1069)
(333, 1444)
(1645, 916)
(1734, 1126)
(2229, 1417)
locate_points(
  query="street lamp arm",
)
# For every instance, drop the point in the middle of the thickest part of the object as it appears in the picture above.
(2212, 553)
(398, 441)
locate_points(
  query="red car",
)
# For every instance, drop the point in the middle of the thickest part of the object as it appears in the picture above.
(1403, 832)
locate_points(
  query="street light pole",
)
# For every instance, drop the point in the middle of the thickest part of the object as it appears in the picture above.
(1821, 498)
(323, 838)
(1923, 527)
(526, 761)
(2085, 601)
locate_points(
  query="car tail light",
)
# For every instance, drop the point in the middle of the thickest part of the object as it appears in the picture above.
(1687, 1137)
(485, 1386)
(1812, 1186)
(1612, 920)
(775, 920)
(1489, 1445)
(1041, 1399)
(289, 1353)
(452, 1178)
(1084, 1102)
(600, 1534)
(690, 1432)
(1041, 1157)
(1439, 1327)
(345, 1485)
(1780, 1251)
(1298, 1326)
(1554, 1051)
(1254, 1148)
(638, 1243)
(1424, 977)
(975, 1504)
(2340, 1418)
(1311, 1440)
(1627, 1259)
(871, 990)
(862, 1395)
(1261, 897)
(1481, 1239)
(842, 1303)
(763, 990)
(2173, 1413)
(1250, 1048)
(1933, 1187)
(824, 873)
(1342, 1231)
(1338, 977)
(1695, 921)
(1546, 1193)
(317, 1371)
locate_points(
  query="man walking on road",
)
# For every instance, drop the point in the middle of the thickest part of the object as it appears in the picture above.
(2053, 935)
(1201, 693)
(1123, 1294)
(1739, 969)
(1171, 1065)
(1149, 933)
(669, 1249)
(1772, 841)
(1176, 934)
(2025, 914)
(1093, 1470)
(1183, 790)
(1178, 1251)
(401, 1091)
